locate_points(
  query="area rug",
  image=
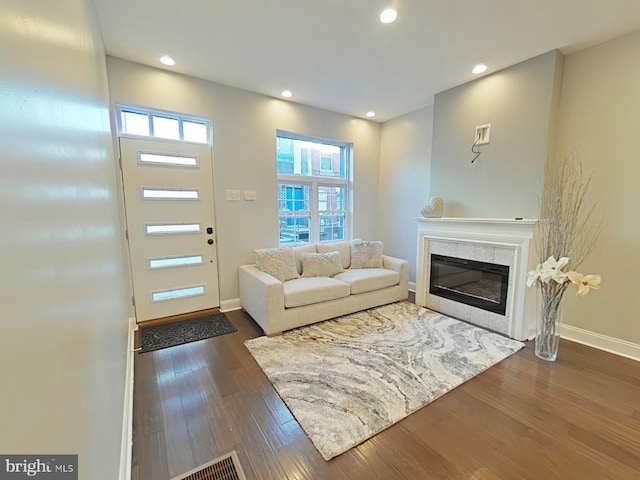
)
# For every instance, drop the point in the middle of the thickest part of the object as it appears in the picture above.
(184, 331)
(348, 379)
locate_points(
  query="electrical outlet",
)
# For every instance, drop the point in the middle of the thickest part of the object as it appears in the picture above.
(483, 134)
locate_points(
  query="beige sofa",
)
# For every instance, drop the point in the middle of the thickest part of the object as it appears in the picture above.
(278, 306)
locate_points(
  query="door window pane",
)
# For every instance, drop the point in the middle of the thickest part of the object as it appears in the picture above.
(194, 132)
(134, 123)
(173, 126)
(168, 262)
(169, 194)
(174, 160)
(174, 228)
(177, 293)
(166, 128)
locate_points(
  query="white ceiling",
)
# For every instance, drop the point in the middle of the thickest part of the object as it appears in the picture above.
(335, 54)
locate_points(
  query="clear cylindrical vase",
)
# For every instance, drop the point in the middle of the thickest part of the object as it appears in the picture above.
(548, 326)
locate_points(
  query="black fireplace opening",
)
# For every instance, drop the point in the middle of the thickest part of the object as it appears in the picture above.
(479, 284)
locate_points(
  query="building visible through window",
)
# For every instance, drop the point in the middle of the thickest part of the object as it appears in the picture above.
(313, 186)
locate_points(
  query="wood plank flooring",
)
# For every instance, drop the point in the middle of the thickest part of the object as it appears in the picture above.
(577, 418)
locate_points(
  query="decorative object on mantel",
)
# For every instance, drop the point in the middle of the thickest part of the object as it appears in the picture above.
(433, 209)
(564, 239)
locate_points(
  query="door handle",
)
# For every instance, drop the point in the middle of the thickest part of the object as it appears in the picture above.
(210, 241)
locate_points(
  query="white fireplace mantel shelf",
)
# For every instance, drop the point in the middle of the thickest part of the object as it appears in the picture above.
(495, 240)
(491, 226)
(478, 220)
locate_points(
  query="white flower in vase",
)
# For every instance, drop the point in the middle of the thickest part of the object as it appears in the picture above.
(552, 270)
(533, 276)
(585, 283)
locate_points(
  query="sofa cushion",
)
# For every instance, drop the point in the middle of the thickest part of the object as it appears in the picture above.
(344, 248)
(277, 262)
(309, 290)
(364, 280)
(366, 254)
(297, 251)
(321, 264)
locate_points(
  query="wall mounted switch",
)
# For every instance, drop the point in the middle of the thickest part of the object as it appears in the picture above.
(233, 195)
(250, 195)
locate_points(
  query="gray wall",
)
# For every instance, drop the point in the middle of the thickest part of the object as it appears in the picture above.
(596, 104)
(244, 129)
(405, 159)
(504, 182)
(599, 121)
(63, 334)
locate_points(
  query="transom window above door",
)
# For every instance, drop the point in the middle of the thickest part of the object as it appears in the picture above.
(313, 189)
(145, 122)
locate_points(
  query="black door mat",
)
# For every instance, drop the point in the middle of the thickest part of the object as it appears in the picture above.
(185, 331)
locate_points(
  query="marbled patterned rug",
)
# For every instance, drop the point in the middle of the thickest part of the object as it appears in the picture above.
(348, 379)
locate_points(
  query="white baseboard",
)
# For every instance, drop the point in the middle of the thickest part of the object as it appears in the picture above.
(127, 420)
(229, 305)
(601, 342)
(412, 287)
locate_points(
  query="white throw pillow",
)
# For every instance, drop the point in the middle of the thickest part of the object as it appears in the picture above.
(366, 254)
(299, 250)
(344, 247)
(321, 264)
(277, 262)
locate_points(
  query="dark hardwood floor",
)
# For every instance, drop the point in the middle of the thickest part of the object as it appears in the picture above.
(577, 418)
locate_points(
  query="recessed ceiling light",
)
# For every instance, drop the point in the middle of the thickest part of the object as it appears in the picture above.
(388, 16)
(167, 60)
(371, 114)
(479, 68)
(287, 94)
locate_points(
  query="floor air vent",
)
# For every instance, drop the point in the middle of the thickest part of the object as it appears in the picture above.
(226, 467)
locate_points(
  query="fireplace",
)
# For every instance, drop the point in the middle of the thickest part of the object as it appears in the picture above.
(478, 284)
(480, 268)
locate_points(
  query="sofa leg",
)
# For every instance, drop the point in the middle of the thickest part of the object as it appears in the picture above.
(277, 334)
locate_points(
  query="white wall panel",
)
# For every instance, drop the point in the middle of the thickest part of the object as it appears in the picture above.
(63, 329)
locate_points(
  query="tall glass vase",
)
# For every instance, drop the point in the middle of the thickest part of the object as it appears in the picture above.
(548, 325)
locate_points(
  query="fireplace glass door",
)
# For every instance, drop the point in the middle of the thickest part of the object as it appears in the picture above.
(479, 284)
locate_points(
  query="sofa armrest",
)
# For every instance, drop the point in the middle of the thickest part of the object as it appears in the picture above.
(400, 266)
(262, 296)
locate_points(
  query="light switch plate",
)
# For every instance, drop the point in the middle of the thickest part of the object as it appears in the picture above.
(250, 195)
(233, 195)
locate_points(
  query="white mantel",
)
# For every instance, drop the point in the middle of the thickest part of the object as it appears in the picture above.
(493, 240)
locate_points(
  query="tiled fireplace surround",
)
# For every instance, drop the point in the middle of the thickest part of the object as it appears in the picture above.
(501, 241)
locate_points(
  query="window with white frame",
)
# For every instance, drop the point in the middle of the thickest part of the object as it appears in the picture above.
(144, 122)
(313, 189)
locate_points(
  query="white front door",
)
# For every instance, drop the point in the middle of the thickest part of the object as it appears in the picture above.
(168, 189)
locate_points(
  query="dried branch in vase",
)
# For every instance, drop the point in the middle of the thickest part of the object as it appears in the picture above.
(567, 225)
(566, 233)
